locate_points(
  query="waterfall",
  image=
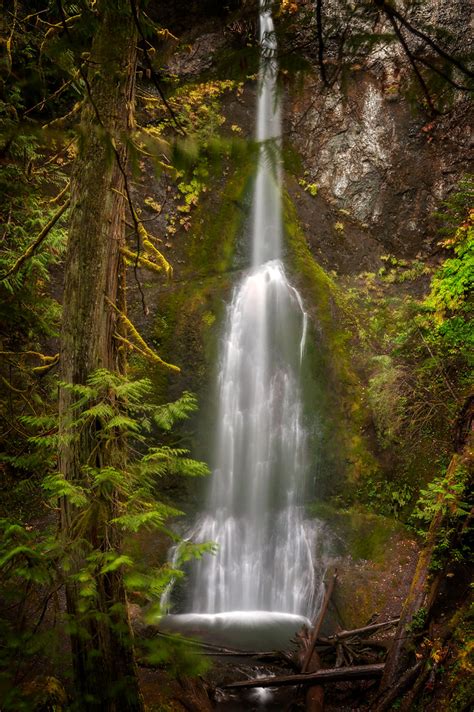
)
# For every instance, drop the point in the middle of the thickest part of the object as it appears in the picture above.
(254, 511)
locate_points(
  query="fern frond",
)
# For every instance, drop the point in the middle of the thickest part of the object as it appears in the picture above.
(152, 519)
(57, 486)
(124, 423)
(100, 411)
(165, 416)
(115, 562)
(45, 422)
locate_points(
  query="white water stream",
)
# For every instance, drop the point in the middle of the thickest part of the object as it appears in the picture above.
(254, 512)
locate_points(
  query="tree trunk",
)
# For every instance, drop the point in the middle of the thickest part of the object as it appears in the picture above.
(424, 587)
(102, 645)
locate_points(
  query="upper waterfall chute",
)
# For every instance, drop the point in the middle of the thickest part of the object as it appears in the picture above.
(267, 213)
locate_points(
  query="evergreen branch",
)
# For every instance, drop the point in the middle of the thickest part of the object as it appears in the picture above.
(37, 242)
(319, 29)
(8, 42)
(60, 120)
(34, 14)
(442, 74)
(61, 194)
(46, 359)
(56, 155)
(152, 71)
(12, 387)
(141, 259)
(392, 13)
(412, 61)
(58, 25)
(52, 96)
(43, 369)
(22, 395)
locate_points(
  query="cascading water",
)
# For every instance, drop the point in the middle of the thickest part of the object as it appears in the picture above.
(261, 586)
(254, 512)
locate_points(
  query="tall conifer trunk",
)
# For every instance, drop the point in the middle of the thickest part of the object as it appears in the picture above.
(103, 658)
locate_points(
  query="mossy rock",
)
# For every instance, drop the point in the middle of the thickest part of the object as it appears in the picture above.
(330, 381)
(375, 558)
(359, 532)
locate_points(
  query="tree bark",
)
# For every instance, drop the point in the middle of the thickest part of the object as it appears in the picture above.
(424, 588)
(314, 699)
(102, 645)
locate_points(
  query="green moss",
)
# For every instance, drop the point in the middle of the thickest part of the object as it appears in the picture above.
(335, 387)
(190, 307)
(364, 533)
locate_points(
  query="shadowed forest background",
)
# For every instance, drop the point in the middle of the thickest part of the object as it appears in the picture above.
(127, 164)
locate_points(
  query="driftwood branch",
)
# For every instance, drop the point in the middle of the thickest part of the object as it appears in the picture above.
(357, 672)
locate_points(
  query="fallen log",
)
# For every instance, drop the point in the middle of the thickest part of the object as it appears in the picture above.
(314, 694)
(357, 672)
(218, 650)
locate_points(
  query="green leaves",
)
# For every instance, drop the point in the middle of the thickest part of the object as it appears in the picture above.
(453, 283)
(171, 413)
(150, 519)
(56, 486)
(115, 562)
(443, 495)
(164, 460)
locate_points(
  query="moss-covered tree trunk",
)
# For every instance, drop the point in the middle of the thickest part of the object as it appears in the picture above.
(103, 657)
(425, 585)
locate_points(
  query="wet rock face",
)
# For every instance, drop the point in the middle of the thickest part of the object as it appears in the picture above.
(372, 154)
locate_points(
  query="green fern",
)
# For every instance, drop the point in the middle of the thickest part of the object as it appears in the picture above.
(56, 486)
(165, 416)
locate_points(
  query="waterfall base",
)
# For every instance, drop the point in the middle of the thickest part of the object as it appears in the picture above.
(245, 630)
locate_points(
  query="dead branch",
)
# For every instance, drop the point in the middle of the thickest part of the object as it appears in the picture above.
(152, 70)
(366, 630)
(391, 12)
(319, 30)
(413, 63)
